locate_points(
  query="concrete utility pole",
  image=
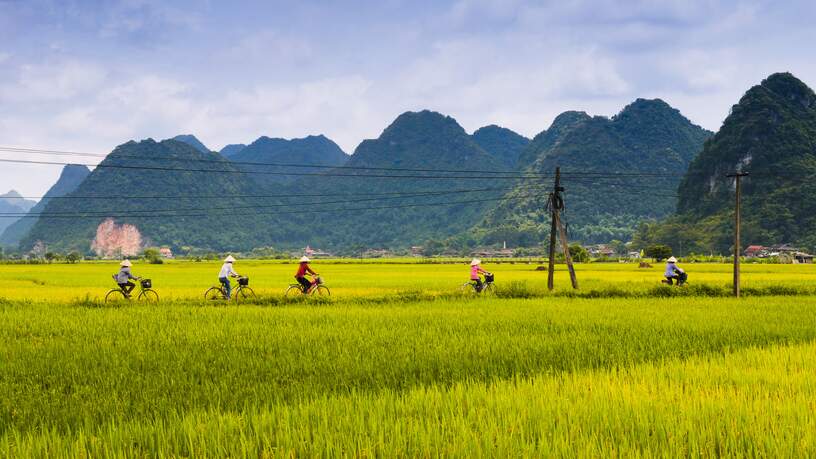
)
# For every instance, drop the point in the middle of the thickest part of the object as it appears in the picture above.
(556, 205)
(737, 224)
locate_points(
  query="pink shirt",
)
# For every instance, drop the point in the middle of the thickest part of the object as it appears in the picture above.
(474, 272)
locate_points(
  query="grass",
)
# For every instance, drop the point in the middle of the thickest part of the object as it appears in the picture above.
(752, 403)
(71, 375)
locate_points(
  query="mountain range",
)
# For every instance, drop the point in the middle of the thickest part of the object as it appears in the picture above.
(425, 180)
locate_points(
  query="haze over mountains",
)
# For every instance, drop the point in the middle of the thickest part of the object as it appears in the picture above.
(406, 187)
(71, 177)
(12, 203)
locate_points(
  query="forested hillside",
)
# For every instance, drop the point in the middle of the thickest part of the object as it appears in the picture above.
(504, 144)
(412, 150)
(648, 137)
(157, 187)
(309, 151)
(771, 134)
(192, 141)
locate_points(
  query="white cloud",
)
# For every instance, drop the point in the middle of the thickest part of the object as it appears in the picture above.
(52, 81)
(152, 69)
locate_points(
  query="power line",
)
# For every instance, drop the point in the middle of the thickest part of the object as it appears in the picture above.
(253, 163)
(80, 215)
(341, 167)
(265, 206)
(307, 174)
(246, 196)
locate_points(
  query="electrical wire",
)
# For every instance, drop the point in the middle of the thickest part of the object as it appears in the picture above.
(565, 173)
(266, 206)
(298, 174)
(242, 196)
(80, 215)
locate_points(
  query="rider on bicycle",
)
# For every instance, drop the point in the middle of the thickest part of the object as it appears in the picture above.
(227, 271)
(475, 270)
(674, 272)
(303, 269)
(124, 276)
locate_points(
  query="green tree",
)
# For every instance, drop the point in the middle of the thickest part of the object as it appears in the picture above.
(658, 251)
(73, 257)
(153, 256)
(578, 253)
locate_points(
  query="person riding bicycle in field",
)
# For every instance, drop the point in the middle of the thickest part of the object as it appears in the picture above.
(674, 272)
(226, 271)
(475, 270)
(304, 269)
(124, 276)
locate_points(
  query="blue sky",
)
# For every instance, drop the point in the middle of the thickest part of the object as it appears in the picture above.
(89, 75)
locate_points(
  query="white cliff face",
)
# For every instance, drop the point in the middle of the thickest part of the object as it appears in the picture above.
(114, 241)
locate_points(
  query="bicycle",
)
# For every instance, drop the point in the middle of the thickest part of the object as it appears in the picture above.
(317, 288)
(240, 293)
(472, 287)
(680, 281)
(146, 293)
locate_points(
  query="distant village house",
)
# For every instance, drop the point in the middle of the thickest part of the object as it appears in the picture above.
(316, 253)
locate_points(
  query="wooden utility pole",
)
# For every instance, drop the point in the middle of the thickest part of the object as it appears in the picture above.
(556, 205)
(737, 225)
(550, 205)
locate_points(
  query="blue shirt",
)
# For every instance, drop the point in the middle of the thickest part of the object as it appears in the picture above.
(670, 268)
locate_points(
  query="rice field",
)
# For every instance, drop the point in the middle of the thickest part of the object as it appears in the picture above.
(350, 279)
(392, 366)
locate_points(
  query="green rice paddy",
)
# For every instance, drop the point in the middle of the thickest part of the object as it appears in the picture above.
(396, 365)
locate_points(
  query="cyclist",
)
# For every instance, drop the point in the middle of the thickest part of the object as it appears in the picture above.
(674, 272)
(124, 276)
(304, 269)
(475, 270)
(226, 271)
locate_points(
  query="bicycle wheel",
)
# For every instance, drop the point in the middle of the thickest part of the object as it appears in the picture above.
(243, 294)
(488, 289)
(149, 295)
(467, 289)
(321, 290)
(293, 291)
(214, 294)
(115, 296)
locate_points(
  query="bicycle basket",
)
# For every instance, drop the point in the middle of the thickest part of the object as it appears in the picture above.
(147, 283)
(489, 277)
(243, 281)
(318, 280)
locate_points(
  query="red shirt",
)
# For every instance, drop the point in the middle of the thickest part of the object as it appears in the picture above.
(303, 269)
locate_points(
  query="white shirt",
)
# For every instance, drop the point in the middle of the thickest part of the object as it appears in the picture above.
(226, 270)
